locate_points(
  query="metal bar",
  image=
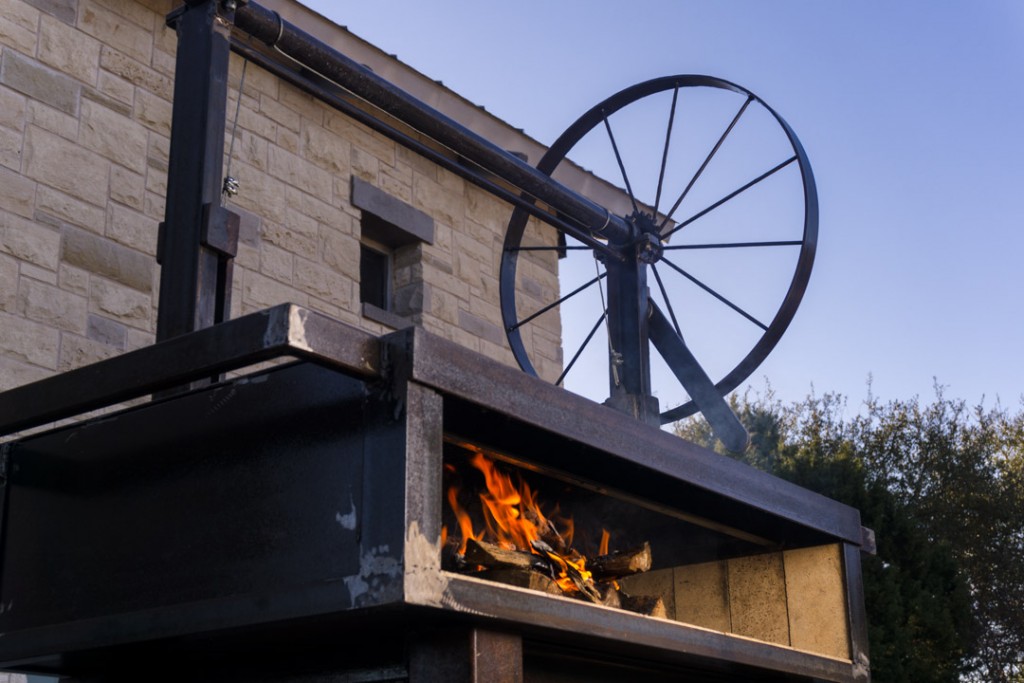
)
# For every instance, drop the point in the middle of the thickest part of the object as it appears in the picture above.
(556, 303)
(269, 27)
(735, 245)
(629, 353)
(622, 166)
(729, 196)
(285, 330)
(664, 154)
(715, 294)
(579, 351)
(707, 160)
(680, 359)
(190, 271)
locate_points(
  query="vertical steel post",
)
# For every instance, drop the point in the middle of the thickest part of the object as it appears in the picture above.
(630, 358)
(196, 242)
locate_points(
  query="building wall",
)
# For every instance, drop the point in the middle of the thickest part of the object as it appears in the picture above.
(85, 108)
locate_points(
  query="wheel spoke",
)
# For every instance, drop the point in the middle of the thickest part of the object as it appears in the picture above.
(668, 303)
(736, 245)
(711, 154)
(558, 302)
(726, 426)
(556, 248)
(579, 351)
(715, 294)
(622, 167)
(729, 196)
(664, 154)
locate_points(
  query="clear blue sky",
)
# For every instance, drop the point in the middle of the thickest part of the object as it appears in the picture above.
(912, 114)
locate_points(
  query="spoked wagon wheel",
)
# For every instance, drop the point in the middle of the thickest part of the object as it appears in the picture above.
(726, 220)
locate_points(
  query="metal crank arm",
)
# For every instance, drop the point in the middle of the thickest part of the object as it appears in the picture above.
(691, 375)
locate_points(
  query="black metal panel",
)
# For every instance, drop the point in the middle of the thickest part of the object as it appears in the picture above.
(239, 504)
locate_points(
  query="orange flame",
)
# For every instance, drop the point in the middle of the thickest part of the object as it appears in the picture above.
(513, 519)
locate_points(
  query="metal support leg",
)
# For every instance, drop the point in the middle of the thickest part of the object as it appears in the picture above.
(466, 655)
(194, 268)
(630, 362)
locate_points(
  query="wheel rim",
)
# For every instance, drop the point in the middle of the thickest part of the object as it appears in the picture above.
(527, 246)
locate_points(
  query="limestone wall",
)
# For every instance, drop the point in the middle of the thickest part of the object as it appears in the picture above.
(85, 106)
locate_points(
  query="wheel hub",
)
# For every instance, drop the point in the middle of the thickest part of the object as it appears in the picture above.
(648, 245)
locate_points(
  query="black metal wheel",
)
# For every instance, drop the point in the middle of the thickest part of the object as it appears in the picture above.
(724, 209)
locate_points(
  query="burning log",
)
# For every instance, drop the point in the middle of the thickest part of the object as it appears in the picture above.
(493, 556)
(621, 563)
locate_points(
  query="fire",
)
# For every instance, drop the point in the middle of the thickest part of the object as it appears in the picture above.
(514, 520)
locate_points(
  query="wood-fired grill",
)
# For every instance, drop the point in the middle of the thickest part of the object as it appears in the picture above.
(290, 524)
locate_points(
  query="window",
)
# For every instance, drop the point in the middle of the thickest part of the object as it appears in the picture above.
(392, 233)
(375, 276)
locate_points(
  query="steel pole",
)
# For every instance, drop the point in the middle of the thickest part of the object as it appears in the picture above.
(192, 287)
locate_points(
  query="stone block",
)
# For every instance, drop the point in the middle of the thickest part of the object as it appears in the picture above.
(817, 600)
(12, 109)
(28, 341)
(132, 229)
(320, 211)
(14, 374)
(67, 167)
(10, 149)
(8, 283)
(325, 149)
(106, 331)
(65, 10)
(115, 30)
(127, 187)
(136, 12)
(30, 241)
(52, 306)
(105, 257)
(101, 98)
(76, 352)
(324, 283)
(153, 112)
(298, 234)
(120, 303)
(702, 595)
(16, 29)
(278, 113)
(300, 173)
(69, 210)
(259, 291)
(362, 138)
(73, 279)
(46, 117)
(757, 598)
(114, 136)
(362, 165)
(39, 82)
(276, 263)
(68, 50)
(340, 252)
(485, 329)
(17, 193)
(116, 88)
(136, 72)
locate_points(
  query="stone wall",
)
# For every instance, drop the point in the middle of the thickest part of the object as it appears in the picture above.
(85, 107)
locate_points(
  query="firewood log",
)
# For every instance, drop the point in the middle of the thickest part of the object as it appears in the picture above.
(621, 563)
